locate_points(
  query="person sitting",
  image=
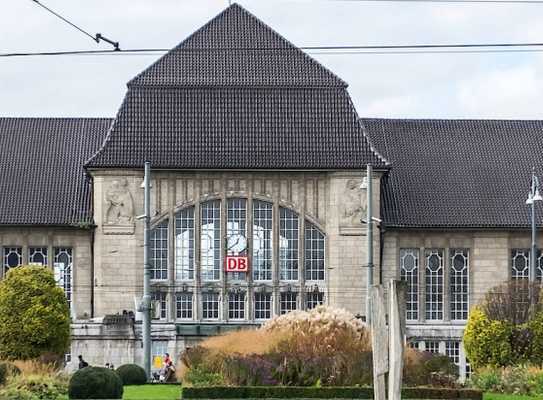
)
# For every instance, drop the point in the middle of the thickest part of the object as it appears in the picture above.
(82, 363)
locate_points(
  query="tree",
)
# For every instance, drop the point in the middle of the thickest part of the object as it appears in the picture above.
(34, 314)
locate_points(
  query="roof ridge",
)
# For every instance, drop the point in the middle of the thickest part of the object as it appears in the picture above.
(449, 119)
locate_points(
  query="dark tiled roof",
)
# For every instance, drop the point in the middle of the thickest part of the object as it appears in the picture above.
(458, 173)
(236, 109)
(236, 49)
(42, 180)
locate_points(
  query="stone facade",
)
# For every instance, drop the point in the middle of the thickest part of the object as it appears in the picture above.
(51, 238)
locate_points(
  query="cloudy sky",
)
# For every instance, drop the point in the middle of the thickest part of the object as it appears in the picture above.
(504, 85)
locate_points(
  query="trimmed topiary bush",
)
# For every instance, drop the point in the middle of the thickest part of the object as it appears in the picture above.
(6, 370)
(132, 374)
(95, 383)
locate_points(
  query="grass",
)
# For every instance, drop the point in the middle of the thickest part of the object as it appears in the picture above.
(499, 396)
(152, 392)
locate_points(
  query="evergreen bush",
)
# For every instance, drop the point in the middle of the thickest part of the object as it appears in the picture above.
(95, 383)
(132, 374)
(7, 370)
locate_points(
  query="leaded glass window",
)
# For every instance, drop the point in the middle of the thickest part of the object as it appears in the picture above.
(314, 299)
(210, 305)
(432, 346)
(288, 245)
(314, 253)
(459, 283)
(183, 305)
(160, 304)
(434, 284)
(409, 272)
(13, 257)
(184, 245)
(37, 255)
(288, 302)
(236, 232)
(210, 240)
(262, 240)
(236, 305)
(263, 305)
(62, 269)
(520, 263)
(159, 251)
(452, 350)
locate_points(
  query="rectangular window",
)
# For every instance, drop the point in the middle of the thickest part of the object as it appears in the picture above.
(160, 308)
(236, 232)
(183, 305)
(37, 256)
(288, 302)
(409, 273)
(434, 284)
(13, 257)
(236, 305)
(263, 305)
(539, 266)
(520, 263)
(452, 350)
(288, 245)
(432, 346)
(210, 240)
(184, 245)
(262, 240)
(62, 268)
(159, 348)
(459, 283)
(314, 299)
(159, 251)
(314, 253)
(413, 345)
(210, 305)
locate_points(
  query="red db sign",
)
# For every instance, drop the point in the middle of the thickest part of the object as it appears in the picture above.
(236, 264)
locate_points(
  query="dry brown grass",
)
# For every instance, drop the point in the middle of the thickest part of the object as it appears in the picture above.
(243, 342)
(36, 367)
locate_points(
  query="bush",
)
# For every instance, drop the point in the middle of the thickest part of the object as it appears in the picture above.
(34, 387)
(422, 368)
(7, 370)
(262, 392)
(95, 383)
(132, 374)
(519, 379)
(199, 377)
(34, 314)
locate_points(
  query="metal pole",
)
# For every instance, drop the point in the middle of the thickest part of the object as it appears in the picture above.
(146, 301)
(369, 237)
(533, 258)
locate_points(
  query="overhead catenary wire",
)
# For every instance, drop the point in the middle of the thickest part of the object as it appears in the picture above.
(331, 50)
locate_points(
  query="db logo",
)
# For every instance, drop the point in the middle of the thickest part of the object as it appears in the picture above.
(236, 264)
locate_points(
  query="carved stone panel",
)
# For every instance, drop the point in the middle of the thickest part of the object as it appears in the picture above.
(119, 208)
(353, 208)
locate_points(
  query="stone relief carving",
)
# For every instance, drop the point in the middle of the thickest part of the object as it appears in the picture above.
(120, 205)
(354, 203)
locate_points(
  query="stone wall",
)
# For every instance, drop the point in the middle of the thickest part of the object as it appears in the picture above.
(79, 240)
(330, 200)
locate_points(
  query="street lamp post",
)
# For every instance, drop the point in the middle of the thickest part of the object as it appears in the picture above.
(533, 197)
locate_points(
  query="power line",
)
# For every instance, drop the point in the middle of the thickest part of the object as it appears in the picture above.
(96, 38)
(329, 50)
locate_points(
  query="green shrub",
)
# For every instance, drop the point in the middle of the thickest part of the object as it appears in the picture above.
(291, 392)
(422, 368)
(520, 379)
(35, 387)
(486, 379)
(487, 342)
(7, 370)
(95, 383)
(34, 314)
(196, 376)
(132, 374)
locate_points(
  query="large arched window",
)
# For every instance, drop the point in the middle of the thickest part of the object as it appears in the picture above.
(314, 253)
(184, 245)
(159, 251)
(262, 240)
(210, 240)
(288, 244)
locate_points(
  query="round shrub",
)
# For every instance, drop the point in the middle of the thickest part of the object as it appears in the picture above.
(6, 370)
(132, 374)
(95, 383)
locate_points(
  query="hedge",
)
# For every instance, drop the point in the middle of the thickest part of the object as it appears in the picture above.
(289, 392)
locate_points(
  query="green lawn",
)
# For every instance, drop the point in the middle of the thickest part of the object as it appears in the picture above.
(152, 392)
(497, 396)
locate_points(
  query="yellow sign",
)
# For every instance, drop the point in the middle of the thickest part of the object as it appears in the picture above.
(157, 362)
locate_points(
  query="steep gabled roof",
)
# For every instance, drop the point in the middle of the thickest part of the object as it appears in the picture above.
(236, 49)
(458, 173)
(236, 95)
(42, 180)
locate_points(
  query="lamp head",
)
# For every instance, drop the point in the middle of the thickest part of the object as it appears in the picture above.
(364, 184)
(537, 196)
(530, 199)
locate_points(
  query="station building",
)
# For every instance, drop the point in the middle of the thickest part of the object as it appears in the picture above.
(256, 150)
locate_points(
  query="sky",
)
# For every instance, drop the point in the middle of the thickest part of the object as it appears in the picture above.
(488, 85)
